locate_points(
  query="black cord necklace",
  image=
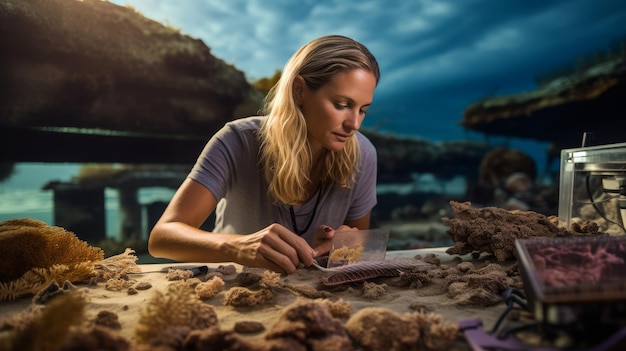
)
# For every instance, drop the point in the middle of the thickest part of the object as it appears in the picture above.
(293, 215)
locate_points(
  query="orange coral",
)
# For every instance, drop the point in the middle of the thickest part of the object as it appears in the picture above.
(34, 253)
(28, 243)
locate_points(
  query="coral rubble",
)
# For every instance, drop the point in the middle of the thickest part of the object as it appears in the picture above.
(494, 230)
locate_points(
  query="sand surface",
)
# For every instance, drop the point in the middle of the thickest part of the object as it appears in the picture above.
(432, 297)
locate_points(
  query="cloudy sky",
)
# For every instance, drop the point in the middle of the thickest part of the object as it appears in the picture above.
(436, 56)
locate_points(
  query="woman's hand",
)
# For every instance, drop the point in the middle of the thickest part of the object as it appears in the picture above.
(323, 237)
(274, 247)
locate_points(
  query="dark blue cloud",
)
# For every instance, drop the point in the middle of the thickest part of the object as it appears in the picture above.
(436, 57)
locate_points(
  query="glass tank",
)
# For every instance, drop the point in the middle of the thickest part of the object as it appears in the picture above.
(593, 187)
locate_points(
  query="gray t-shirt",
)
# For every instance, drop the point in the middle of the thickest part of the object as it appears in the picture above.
(229, 166)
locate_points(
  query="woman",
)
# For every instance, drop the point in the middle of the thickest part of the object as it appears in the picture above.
(283, 183)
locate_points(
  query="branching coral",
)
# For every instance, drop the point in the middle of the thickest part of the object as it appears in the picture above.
(34, 253)
(38, 278)
(118, 266)
(27, 243)
(346, 255)
(169, 316)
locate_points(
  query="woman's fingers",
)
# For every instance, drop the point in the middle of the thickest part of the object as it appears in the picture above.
(279, 248)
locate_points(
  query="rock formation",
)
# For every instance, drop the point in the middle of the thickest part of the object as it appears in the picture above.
(560, 112)
(95, 68)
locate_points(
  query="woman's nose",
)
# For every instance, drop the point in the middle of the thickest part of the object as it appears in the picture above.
(353, 120)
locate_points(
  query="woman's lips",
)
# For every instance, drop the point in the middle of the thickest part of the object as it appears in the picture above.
(341, 137)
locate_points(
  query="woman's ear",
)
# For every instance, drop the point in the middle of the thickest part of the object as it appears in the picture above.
(298, 89)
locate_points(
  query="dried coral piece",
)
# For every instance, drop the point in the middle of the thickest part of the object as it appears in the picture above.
(240, 296)
(346, 255)
(27, 243)
(373, 291)
(414, 279)
(484, 286)
(209, 288)
(311, 325)
(494, 230)
(38, 278)
(53, 325)
(117, 266)
(270, 279)
(338, 309)
(34, 253)
(118, 284)
(178, 274)
(377, 328)
(171, 315)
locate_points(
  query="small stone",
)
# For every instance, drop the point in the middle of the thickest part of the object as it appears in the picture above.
(143, 286)
(248, 327)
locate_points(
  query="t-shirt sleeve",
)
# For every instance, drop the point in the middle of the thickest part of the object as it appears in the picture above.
(364, 194)
(215, 165)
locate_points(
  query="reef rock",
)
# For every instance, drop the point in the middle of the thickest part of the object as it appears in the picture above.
(494, 230)
(69, 65)
(561, 111)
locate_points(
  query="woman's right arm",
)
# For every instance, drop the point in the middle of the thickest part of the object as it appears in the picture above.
(177, 236)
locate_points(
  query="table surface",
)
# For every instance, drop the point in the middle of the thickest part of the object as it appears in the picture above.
(402, 300)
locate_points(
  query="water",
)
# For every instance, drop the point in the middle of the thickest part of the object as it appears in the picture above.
(22, 195)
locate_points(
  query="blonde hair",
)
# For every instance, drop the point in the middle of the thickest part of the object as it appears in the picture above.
(285, 152)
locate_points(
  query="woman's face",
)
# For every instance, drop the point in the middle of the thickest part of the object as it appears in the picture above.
(334, 112)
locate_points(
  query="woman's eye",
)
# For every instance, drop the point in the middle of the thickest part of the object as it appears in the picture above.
(341, 106)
